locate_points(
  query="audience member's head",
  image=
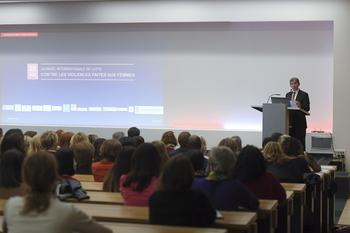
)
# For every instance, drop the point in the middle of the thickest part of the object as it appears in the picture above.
(292, 147)
(168, 138)
(222, 160)
(120, 167)
(64, 139)
(177, 174)
(238, 140)
(183, 138)
(266, 140)
(59, 132)
(273, 152)
(276, 136)
(138, 140)
(230, 143)
(145, 165)
(27, 142)
(78, 137)
(49, 140)
(133, 132)
(197, 160)
(10, 168)
(98, 143)
(13, 139)
(35, 144)
(40, 182)
(250, 164)
(204, 148)
(30, 133)
(65, 161)
(161, 148)
(118, 135)
(92, 138)
(83, 154)
(110, 150)
(194, 142)
(127, 141)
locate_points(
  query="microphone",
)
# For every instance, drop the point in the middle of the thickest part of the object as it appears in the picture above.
(268, 99)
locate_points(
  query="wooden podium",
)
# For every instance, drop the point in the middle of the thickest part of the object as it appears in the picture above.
(276, 118)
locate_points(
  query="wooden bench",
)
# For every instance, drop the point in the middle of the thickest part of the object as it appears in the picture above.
(330, 198)
(132, 228)
(345, 215)
(92, 186)
(85, 178)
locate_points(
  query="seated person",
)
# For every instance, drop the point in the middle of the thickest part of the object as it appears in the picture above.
(39, 210)
(251, 171)
(10, 174)
(109, 151)
(83, 155)
(138, 185)
(223, 192)
(287, 167)
(175, 203)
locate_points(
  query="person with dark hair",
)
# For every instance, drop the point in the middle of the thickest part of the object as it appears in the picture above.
(92, 138)
(291, 169)
(276, 136)
(133, 132)
(83, 154)
(138, 185)
(118, 135)
(127, 141)
(170, 141)
(225, 193)
(266, 140)
(13, 139)
(164, 157)
(97, 145)
(109, 152)
(10, 173)
(64, 139)
(175, 203)
(194, 142)
(1, 133)
(120, 167)
(30, 133)
(230, 143)
(65, 162)
(251, 170)
(39, 210)
(297, 118)
(183, 141)
(138, 140)
(198, 162)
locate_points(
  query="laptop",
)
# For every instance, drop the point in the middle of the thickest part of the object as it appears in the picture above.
(281, 100)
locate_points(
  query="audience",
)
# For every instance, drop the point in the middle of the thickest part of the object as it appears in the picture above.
(49, 141)
(65, 162)
(170, 141)
(118, 135)
(133, 132)
(183, 141)
(290, 168)
(223, 192)
(10, 173)
(83, 155)
(38, 210)
(251, 170)
(109, 151)
(30, 133)
(198, 162)
(175, 203)
(127, 141)
(120, 167)
(272, 152)
(92, 138)
(230, 143)
(97, 145)
(138, 185)
(13, 139)
(78, 137)
(238, 141)
(64, 139)
(35, 144)
(138, 140)
(162, 151)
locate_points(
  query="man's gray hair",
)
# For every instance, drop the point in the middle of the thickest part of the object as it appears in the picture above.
(222, 160)
(118, 135)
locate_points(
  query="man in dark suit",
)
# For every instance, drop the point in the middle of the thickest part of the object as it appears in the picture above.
(297, 119)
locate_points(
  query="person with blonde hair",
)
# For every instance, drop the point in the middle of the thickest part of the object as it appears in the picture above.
(273, 152)
(39, 210)
(35, 144)
(78, 137)
(230, 143)
(49, 141)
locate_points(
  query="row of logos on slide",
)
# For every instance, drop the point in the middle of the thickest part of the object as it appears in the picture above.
(146, 110)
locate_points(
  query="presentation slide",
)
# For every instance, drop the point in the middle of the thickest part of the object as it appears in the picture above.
(162, 75)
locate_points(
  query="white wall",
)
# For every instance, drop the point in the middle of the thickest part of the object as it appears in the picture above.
(208, 11)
